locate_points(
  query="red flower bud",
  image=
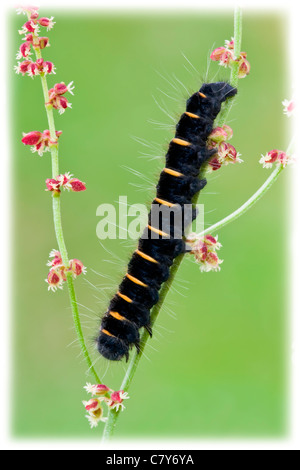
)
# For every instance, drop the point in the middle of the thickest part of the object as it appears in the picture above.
(52, 185)
(32, 138)
(47, 22)
(76, 267)
(43, 42)
(23, 67)
(29, 26)
(29, 38)
(55, 279)
(214, 164)
(24, 50)
(217, 53)
(244, 67)
(76, 185)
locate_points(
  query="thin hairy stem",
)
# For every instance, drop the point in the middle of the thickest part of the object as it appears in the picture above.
(58, 222)
(223, 116)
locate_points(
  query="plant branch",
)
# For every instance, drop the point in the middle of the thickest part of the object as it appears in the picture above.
(58, 223)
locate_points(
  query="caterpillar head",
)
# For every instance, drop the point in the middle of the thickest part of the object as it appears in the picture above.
(219, 90)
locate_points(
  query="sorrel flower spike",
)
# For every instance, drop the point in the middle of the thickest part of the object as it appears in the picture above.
(204, 250)
(278, 157)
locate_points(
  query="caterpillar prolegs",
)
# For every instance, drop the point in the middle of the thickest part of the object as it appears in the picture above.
(129, 310)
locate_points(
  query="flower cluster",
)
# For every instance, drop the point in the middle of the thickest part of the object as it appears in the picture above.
(102, 393)
(41, 67)
(57, 274)
(204, 250)
(40, 142)
(57, 100)
(275, 156)
(31, 29)
(225, 153)
(35, 68)
(225, 57)
(66, 182)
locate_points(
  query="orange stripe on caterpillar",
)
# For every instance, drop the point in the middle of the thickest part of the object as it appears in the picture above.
(107, 333)
(165, 203)
(172, 172)
(159, 232)
(185, 143)
(135, 280)
(124, 297)
(192, 115)
(202, 95)
(147, 257)
(116, 315)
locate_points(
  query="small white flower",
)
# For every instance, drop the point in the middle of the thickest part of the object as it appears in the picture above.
(94, 421)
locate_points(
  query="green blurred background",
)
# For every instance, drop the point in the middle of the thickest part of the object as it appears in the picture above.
(217, 364)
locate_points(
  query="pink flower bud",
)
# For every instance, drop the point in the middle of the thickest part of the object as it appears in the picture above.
(55, 279)
(57, 100)
(217, 136)
(116, 400)
(244, 66)
(34, 15)
(225, 150)
(92, 405)
(97, 390)
(52, 185)
(29, 38)
(23, 67)
(43, 42)
(24, 50)
(95, 412)
(209, 240)
(212, 262)
(76, 267)
(48, 67)
(29, 26)
(46, 137)
(214, 164)
(229, 44)
(61, 103)
(204, 250)
(227, 58)
(33, 70)
(76, 185)
(47, 22)
(228, 154)
(57, 259)
(40, 141)
(62, 88)
(32, 138)
(275, 156)
(228, 131)
(63, 179)
(217, 53)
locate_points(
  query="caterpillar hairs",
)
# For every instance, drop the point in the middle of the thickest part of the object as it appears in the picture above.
(161, 242)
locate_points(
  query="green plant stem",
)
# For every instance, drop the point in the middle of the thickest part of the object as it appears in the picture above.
(223, 116)
(134, 361)
(58, 225)
(248, 204)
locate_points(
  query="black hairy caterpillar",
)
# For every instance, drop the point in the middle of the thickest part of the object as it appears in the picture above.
(129, 310)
